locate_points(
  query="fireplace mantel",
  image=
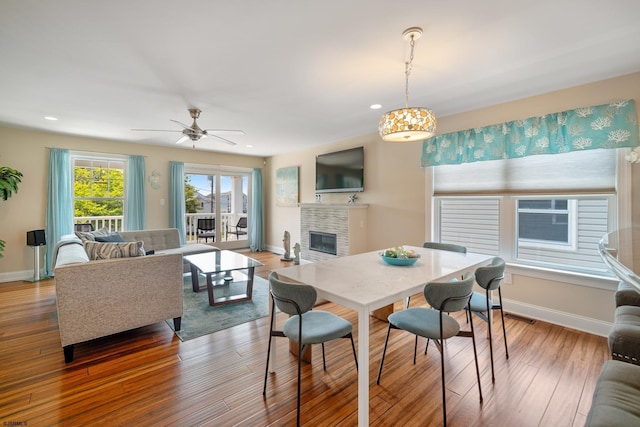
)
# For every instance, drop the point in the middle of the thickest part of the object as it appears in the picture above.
(348, 222)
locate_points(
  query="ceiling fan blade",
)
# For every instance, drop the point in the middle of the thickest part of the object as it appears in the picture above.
(155, 130)
(183, 139)
(226, 131)
(181, 124)
(223, 139)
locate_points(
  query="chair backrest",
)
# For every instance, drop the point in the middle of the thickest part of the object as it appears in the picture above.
(86, 227)
(489, 277)
(206, 224)
(445, 247)
(284, 292)
(242, 222)
(439, 294)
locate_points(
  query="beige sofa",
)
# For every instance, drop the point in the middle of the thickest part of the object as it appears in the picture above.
(103, 297)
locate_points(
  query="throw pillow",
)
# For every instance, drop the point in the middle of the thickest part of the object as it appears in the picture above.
(85, 235)
(109, 250)
(115, 237)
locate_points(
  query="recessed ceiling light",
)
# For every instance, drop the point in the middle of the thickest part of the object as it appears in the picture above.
(53, 119)
(375, 106)
(249, 146)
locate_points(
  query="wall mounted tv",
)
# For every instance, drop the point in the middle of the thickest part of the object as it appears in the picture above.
(340, 171)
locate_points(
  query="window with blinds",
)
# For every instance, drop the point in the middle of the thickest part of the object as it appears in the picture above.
(547, 211)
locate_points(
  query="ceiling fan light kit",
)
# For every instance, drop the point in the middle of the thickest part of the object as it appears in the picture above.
(409, 123)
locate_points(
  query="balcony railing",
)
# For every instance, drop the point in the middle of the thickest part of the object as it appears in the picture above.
(114, 223)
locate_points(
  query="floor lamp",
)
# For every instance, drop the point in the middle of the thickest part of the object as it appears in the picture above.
(36, 239)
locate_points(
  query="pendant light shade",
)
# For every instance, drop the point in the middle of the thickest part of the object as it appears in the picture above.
(409, 123)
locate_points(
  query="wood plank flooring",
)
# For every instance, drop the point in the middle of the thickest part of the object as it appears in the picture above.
(149, 377)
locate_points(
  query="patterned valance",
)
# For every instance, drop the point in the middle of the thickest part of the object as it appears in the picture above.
(612, 125)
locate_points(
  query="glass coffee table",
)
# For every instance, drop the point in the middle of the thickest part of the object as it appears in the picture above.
(213, 264)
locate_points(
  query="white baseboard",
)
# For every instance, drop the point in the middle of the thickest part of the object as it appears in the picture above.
(569, 320)
(14, 276)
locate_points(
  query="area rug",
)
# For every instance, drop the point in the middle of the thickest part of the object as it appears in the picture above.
(199, 318)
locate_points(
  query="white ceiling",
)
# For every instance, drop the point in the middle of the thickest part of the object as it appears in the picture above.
(291, 73)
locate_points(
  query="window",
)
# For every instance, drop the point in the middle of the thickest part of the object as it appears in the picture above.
(98, 191)
(510, 209)
(543, 222)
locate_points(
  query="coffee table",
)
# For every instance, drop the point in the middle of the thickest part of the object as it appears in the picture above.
(215, 263)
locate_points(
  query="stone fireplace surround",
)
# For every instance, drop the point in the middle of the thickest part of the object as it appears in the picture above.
(347, 222)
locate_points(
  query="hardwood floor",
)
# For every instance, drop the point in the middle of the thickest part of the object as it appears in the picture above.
(149, 377)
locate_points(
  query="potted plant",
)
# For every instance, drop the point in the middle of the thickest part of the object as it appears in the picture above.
(9, 180)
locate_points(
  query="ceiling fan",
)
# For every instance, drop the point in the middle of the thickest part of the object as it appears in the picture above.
(195, 132)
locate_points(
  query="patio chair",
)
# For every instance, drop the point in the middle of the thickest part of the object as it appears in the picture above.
(240, 227)
(206, 229)
(84, 227)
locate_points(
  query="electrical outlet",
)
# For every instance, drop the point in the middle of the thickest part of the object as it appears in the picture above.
(507, 279)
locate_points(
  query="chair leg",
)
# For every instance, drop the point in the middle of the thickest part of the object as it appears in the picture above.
(489, 318)
(353, 346)
(300, 351)
(324, 362)
(444, 397)
(475, 353)
(266, 369)
(415, 349)
(384, 351)
(504, 330)
(426, 347)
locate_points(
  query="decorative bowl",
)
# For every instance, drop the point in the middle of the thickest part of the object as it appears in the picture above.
(399, 261)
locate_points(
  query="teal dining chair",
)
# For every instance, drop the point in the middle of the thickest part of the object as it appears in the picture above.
(489, 279)
(435, 324)
(305, 326)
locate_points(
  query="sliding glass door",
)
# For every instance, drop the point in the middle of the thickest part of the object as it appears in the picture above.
(222, 194)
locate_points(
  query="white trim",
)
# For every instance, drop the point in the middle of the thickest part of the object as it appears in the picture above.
(581, 323)
(15, 276)
(573, 278)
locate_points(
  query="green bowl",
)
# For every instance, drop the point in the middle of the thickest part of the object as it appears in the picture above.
(399, 261)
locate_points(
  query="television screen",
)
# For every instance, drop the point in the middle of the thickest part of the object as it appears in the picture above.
(340, 172)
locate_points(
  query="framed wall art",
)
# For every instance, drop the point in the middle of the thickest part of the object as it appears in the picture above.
(287, 186)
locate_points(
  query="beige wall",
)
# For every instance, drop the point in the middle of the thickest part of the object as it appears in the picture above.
(400, 209)
(27, 151)
(394, 191)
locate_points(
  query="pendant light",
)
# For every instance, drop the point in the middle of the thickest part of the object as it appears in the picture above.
(409, 123)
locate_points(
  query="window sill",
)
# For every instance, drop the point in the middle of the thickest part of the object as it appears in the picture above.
(571, 277)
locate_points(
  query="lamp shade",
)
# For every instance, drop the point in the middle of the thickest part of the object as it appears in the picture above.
(36, 238)
(407, 124)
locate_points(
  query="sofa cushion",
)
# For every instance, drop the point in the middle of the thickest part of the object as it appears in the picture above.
(113, 237)
(157, 240)
(108, 250)
(615, 400)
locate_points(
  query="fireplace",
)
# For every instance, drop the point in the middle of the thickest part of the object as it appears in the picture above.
(323, 242)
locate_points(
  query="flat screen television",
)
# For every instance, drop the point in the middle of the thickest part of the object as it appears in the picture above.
(340, 171)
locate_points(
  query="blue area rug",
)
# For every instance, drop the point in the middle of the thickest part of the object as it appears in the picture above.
(199, 318)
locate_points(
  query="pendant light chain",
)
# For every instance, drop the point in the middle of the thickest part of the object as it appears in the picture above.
(407, 71)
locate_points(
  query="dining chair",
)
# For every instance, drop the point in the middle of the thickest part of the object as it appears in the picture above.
(305, 326)
(451, 247)
(240, 227)
(435, 324)
(489, 279)
(205, 229)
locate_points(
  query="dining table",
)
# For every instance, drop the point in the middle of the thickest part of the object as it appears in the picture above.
(365, 282)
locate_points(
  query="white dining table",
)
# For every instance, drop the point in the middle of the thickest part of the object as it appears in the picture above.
(364, 283)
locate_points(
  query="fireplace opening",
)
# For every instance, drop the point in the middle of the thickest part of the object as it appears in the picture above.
(323, 242)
